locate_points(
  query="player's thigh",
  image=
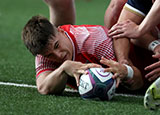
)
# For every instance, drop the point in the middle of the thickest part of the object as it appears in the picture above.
(127, 14)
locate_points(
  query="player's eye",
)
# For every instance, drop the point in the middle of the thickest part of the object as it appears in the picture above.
(56, 45)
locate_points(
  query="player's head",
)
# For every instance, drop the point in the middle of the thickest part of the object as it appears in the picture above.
(41, 37)
(37, 33)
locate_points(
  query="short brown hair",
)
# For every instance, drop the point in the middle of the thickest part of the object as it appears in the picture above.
(37, 33)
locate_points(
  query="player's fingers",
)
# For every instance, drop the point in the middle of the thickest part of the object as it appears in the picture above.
(77, 77)
(91, 65)
(157, 55)
(120, 35)
(149, 74)
(118, 26)
(108, 70)
(107, 62)
(152, 73)
(154, 77)
(81, 71)
(116, 33)
(115, 76)
(117, 82)
(112, 29)
(153, 66)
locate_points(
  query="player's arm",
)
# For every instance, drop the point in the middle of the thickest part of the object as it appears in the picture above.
(144, 41)
(54, 82)
(122, 46)
(51, 82)
(152, 18)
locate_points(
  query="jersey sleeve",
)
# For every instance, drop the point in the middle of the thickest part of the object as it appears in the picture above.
(43, 64)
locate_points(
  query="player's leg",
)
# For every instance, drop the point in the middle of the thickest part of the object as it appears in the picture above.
(113, 11)
(61, 11)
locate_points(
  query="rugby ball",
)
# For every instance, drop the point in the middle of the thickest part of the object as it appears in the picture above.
(97, 84)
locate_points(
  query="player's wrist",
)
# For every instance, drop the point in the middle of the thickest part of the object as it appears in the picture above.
(153, 45)
(130, 72)
(64, 66)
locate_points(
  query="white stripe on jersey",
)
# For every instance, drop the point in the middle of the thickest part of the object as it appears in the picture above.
(73, 58)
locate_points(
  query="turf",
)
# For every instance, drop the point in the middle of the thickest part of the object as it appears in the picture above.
(17, 100)
(17, 66)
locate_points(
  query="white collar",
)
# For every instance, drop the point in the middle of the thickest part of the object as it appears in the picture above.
(73, 58)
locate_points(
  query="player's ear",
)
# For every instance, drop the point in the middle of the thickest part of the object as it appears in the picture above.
(60, 29)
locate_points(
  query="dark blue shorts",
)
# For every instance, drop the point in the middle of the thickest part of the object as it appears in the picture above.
(140, 7)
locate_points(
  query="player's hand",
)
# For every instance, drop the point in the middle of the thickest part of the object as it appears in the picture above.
(119, 70)
(75, 69)
(126, 29)
(156, 52)
(155, 69)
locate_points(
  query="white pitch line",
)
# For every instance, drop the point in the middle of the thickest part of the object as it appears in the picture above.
(128, 95)
(66, 89)
(30, 86)
(18, 85)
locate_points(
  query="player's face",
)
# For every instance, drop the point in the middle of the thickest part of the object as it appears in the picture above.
(60, 48)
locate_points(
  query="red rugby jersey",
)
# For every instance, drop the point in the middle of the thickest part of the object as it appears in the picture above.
(90, 43)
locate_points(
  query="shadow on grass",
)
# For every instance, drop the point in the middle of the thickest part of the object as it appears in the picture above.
(70, 94)
(116, 99)
(128, 100)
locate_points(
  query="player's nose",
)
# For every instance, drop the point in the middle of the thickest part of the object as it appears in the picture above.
(58, 54)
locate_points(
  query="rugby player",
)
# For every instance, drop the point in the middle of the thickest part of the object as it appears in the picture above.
(62, 54)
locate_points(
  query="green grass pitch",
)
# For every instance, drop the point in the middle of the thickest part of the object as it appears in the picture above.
(17, 66)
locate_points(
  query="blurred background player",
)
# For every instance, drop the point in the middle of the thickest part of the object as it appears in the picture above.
(64, 12)
(61, 11)
(112, 12)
